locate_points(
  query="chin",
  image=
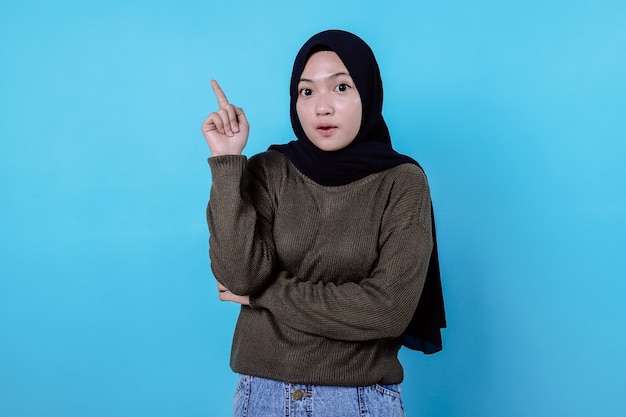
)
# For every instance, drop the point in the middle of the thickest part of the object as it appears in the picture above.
(330, 145)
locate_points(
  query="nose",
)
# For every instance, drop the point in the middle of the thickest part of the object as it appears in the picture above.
(323, 105)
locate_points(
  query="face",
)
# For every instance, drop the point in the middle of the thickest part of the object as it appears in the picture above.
(328, 105)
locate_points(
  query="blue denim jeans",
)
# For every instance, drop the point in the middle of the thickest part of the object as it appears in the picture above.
(260, 397)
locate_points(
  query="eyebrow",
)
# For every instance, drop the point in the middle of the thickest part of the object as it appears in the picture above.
(339, 74)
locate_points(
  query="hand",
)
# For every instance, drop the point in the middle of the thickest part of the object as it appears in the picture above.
(226, 130)
(226, 295)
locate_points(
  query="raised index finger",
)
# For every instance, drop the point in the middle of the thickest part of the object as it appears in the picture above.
(222, 101)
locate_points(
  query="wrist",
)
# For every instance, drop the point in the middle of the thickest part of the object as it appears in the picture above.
(225, 153)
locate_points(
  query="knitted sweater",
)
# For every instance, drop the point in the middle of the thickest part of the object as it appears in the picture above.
(333, 273)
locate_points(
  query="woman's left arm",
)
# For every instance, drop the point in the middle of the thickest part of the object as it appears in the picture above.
(377, 306)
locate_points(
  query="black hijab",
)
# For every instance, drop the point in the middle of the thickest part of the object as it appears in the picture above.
(368, 153)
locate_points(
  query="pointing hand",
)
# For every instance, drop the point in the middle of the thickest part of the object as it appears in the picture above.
(225, 130)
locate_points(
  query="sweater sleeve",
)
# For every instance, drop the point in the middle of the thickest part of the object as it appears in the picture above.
(239, 220)
(377, 306)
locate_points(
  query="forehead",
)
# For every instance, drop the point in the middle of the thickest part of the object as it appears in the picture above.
(323, 64)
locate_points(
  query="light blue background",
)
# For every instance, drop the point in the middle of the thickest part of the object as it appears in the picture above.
(517, 110)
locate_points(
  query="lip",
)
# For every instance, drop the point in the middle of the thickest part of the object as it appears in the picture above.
(326, 129)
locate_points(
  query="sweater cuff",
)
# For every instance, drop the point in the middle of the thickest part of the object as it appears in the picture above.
(256, 300)
(227, 163)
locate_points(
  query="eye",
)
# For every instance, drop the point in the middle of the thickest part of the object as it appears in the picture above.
(305, 92)
(343, 87)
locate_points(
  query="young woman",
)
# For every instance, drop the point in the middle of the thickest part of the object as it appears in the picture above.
(327, 242)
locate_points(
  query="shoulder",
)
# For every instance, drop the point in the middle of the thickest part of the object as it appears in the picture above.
(270, 167)
(268, 160)
(408, 199)
(407, 176)
(413, 170)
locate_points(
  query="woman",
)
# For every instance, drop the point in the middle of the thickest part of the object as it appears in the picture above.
(326, 243)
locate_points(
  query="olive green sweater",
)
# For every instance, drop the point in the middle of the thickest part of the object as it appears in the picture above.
(333, 273)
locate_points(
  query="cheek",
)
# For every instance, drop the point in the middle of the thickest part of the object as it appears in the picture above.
(304, 118)
(357, 115)
(301, 112)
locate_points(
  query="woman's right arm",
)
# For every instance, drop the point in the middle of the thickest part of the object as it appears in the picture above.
(238, 215)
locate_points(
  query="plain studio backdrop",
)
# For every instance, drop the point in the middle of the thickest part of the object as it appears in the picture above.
(517, 111)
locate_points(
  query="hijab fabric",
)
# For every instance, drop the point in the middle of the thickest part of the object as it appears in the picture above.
(368, 153)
